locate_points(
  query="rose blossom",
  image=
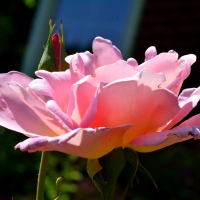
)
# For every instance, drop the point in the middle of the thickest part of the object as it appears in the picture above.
(102, 102)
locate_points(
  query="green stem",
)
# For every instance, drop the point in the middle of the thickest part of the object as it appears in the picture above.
(41, 176)
(113, 164)
(110, 187)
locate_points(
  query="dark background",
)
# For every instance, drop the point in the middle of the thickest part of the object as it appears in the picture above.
(168, 24)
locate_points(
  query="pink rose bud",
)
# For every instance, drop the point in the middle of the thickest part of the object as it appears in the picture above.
(56, 44)
(53, 58)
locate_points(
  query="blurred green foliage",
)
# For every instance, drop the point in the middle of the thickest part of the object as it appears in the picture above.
(30, 3)
(175, 169)
(69, 168)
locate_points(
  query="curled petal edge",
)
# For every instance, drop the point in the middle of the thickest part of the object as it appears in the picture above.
(158, 140)
(150, 53)
(88, 143)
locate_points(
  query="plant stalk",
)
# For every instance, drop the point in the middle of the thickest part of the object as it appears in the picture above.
(41, 176)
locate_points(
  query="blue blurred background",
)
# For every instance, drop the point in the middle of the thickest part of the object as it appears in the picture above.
(133, 26)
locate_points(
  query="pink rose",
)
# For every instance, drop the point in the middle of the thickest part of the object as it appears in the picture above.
(102, 102)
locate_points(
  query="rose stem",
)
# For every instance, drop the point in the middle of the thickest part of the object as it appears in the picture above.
(41, 176)
(110, 188)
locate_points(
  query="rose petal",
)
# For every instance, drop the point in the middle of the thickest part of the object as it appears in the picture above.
(16, 115)
(132, 62)
(82, 94)
(38, 108)
(154, 141)
(42, 89)
(150, 53)
(91, 111)
(82, 62)
(133, 102)
(114, 71)
(68, 58)
(51, 86)
(152, 79)
(189, 60)
(106, 52)
(183, 72)
(77, 65)
(89, 61)
(79, 142)
(174, 70)
(188, 99)
(60, 115)
(164, 62)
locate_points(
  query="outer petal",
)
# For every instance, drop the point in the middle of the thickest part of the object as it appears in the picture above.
(133, 102)
(14, 113)
(188, 99)
(106, 52)
(157, 140)
(87, 143)
(39, 109)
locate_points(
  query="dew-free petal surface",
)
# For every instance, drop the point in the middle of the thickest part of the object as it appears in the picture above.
(87, 143)
(133, 102)
(14, 113)
(105, 51)
(157, 140)
(38, 108)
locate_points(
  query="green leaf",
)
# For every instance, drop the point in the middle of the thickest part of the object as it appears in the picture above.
(93, 170)
(58, 187)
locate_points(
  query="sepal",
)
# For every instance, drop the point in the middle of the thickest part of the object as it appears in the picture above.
(113, 164)
(133, 159)
(63, 54)
(48, 60)
(93, 170)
